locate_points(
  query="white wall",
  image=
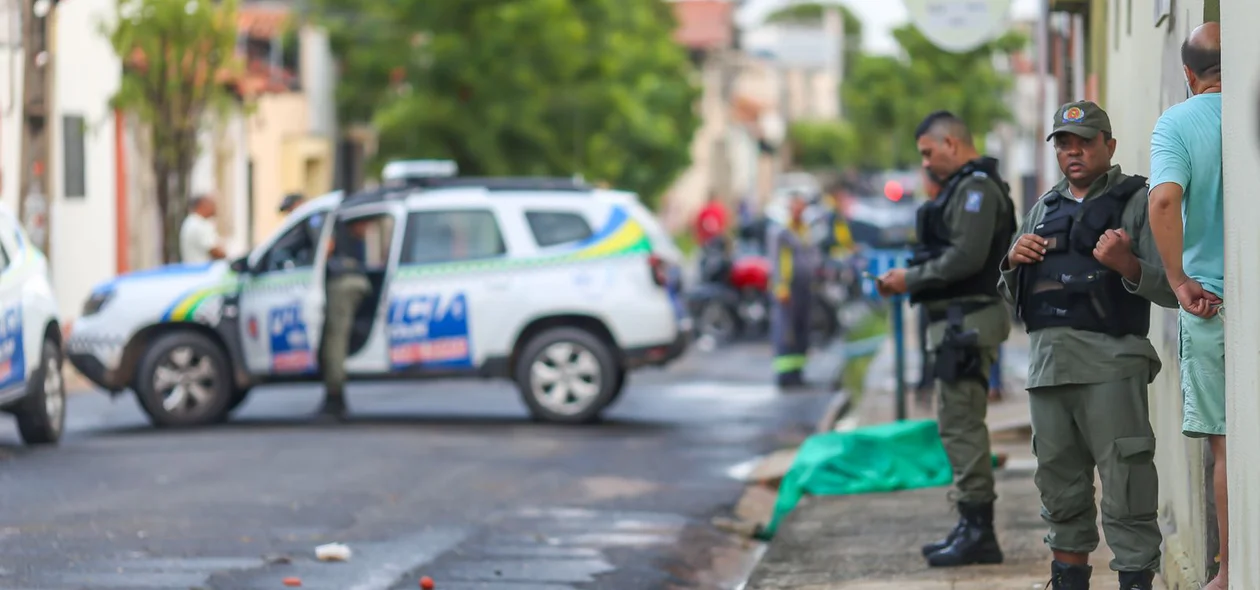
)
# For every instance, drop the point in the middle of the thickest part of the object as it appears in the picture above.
(1241, 141)
(83, 237)
(10, 103)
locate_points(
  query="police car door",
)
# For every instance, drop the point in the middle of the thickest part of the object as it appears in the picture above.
(368, 351)
(275, 311)
(447, 291)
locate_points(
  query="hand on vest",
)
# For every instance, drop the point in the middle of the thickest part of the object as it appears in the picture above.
(1115, 251)
(1028, 249)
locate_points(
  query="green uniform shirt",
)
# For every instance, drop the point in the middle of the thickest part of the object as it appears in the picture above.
(971, 236)
(1065, 356)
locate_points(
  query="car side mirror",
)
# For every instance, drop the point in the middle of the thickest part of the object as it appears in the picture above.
(240, 265)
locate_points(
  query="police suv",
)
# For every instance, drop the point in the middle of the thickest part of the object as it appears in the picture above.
(555, 285)
(31, 385)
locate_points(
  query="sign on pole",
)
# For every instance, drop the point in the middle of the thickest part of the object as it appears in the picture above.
(959, 26)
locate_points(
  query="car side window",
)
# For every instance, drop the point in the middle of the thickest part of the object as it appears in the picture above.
(295, 249)
(434, 237)
(552, 228)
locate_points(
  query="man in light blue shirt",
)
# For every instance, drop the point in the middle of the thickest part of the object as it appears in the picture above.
(1188, 222)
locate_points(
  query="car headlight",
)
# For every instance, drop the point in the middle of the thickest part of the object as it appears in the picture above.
(96, 301)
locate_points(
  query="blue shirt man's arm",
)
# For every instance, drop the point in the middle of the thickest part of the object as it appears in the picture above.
(1170, 175)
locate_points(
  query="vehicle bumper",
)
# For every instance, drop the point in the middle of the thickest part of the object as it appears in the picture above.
(662, 354)
(92, 359)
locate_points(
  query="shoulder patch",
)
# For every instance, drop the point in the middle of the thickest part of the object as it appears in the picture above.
(974, 200)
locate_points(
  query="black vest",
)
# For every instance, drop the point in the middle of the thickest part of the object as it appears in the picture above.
(934, 240)
(1070, 288)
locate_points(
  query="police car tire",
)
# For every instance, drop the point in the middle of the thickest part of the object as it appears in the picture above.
(151, 400)
(34, 423)
(609, 384)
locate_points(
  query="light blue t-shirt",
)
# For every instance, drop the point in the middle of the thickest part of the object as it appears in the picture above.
(1186, 150)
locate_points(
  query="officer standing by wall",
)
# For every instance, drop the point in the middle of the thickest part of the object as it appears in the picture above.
(794, 263)
(1082, 275)
(346, 286)
(963, 235)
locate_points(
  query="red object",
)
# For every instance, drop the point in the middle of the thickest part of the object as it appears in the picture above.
(750, 272)
(426, 583)
(660, 274)
(711, 221)
(893, 190)
(293, 581)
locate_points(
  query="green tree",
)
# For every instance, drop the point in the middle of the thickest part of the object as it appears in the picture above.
(522, 87)
(886, 97)
(177, 56)
(818, 145)
(811, 13)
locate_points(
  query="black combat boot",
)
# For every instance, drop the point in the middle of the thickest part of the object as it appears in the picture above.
(976, 543)
(931, 548)
(1137, 580)
(1065, 576)
(334, 407)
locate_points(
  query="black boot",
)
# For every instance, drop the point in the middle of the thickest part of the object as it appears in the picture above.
(334, 407)
(931, 548)
(1065, 576)
(1137, 580)
(976, 543)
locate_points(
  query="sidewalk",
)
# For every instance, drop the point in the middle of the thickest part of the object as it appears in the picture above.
(871, 542)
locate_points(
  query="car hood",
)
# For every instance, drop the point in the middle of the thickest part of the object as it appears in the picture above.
(174, 292)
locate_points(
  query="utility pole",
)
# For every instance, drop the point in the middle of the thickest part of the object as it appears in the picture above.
(37, 97)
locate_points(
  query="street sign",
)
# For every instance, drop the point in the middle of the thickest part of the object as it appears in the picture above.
(959, 26)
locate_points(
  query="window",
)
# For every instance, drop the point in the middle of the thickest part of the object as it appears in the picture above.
(74, 165)
(551, 228)
(377, 235)
(448, 236)
(294, 249)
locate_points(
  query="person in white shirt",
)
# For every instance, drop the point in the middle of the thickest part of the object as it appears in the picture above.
(198, 238)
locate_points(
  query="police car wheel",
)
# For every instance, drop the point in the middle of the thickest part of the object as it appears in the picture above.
(41, 417)
(183, 381)
(567, 375)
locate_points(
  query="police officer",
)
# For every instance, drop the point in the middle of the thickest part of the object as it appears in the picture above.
(1082, 275)
(963, 235)
(794, 262)
(346, 286)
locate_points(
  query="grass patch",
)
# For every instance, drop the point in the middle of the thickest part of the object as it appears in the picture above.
(853, 375)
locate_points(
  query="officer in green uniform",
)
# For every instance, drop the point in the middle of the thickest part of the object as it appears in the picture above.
(1082, 275)
(963, 235)
(345, 287)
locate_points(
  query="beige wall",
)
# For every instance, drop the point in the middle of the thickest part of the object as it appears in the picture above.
(1143, 79)
(286, 157)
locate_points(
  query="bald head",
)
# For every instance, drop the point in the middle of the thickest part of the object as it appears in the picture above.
(1201, 57)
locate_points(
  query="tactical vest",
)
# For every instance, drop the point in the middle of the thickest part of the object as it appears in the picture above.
(934, 240)
(1070, 288)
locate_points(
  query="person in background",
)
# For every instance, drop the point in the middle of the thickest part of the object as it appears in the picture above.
(839, 243)
(347, 285)
(794, 262)
(291, 201)
(711, 220)
(1188, 221)
(198, 237)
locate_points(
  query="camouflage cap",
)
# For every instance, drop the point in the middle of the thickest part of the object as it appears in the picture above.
(1084, 119)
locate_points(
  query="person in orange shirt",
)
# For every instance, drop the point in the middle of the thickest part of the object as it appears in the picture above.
(712, 220)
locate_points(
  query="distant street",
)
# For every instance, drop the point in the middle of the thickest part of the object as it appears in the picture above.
(445, 479)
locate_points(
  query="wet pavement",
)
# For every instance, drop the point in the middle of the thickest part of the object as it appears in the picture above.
(443, 479)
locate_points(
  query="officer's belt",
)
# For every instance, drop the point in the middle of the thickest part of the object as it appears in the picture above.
(966, 307)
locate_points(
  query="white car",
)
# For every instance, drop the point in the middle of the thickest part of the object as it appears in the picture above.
(554, 285)
(31, 385)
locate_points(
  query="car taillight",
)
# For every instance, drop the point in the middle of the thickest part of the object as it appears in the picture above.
(660, 270)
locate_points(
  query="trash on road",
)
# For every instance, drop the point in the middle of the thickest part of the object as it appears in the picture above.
(426, 583)
(332, 552)
(292, 581)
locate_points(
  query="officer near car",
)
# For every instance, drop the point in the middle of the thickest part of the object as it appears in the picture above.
(1082, 275)
(345, 287)
(964, 233)
(794, 263)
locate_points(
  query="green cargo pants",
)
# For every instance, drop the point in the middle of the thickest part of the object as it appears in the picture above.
(345, 293)
(1105, 425)
(960, 419)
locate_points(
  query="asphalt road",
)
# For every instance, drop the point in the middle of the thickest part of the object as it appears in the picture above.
(445, 479)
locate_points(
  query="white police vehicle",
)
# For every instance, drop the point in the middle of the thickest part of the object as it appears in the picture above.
(548, 282)
(31, 385)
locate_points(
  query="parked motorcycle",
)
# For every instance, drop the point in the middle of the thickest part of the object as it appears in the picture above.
(732, 299)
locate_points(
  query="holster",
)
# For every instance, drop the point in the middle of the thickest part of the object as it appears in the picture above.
(958, 355)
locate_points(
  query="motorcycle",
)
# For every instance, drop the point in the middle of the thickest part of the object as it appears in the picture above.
(732, 299)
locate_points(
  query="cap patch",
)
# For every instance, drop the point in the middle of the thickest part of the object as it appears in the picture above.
(1073, 115)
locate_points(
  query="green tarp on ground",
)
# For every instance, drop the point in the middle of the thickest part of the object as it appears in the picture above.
(884, 458)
